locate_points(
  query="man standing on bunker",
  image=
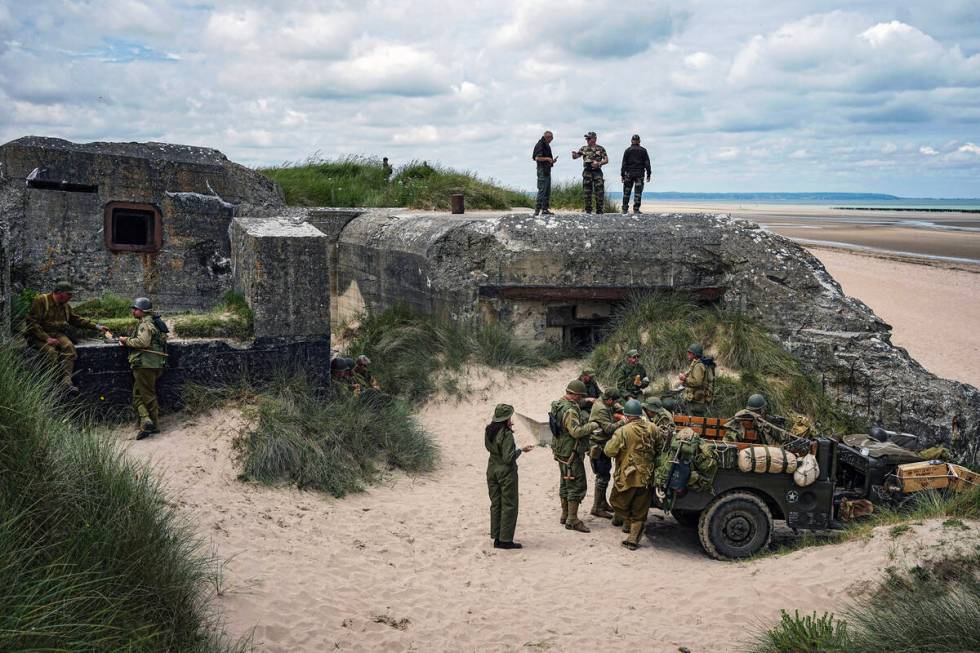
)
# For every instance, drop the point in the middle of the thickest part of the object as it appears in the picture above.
(545, 161)
(636, 162)
(593, 157)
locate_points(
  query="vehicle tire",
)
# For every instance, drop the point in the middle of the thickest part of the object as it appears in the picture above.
(688, 518)
(735, 525)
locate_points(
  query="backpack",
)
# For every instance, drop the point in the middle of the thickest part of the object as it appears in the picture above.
(553, 422)
(710, 373)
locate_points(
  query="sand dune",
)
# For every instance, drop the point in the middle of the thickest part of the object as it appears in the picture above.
(409, 566)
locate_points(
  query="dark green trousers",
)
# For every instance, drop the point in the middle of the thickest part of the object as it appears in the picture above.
(502, 485)
(573, 488)
(632, 504)
(145, 393)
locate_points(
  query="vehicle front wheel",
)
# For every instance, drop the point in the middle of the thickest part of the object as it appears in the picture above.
(735, 525)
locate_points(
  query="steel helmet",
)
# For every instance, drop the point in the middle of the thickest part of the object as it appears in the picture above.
(696, 349)
(142, 303)
(575, 387)
(633, 408)
(757, 402)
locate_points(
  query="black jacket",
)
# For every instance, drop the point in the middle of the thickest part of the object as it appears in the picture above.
(636, 161)
(542, 149)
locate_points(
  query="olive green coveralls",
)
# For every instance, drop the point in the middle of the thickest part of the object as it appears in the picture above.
(502, 484)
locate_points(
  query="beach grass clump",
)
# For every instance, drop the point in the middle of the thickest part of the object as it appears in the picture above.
(337, 445)
(663, 325)
(92, 555)
(932, 607)
(354, 181)
(411, 352)
(231, 318)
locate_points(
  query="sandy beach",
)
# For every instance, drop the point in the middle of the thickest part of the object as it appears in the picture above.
(408, 565)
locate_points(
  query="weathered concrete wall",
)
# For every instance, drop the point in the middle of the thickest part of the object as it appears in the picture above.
(106, 380)
(60, 233)
(281, 266)
(513, 267)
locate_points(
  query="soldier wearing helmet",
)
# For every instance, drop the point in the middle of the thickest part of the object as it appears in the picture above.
(659, 415)
(634, 446)
(49, 317)
(361, 377)
(755, 416)
(631, 377)
(571, 442)
(603, 415)
(697, 382)
(592, 390)
(147, 356)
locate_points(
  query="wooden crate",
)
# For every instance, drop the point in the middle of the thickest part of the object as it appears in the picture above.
(927, 475)
(962, 479)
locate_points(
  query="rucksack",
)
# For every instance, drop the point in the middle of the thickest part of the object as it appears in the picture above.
(553, 423)
(709, 370)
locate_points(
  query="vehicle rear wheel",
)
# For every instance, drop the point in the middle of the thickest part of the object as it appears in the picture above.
(687, 518)
(735, 525)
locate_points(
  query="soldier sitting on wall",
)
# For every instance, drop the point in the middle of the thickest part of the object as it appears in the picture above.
(48, 319)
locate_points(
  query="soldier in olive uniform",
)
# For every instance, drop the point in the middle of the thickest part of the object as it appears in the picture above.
(592, 391)
(148, 356)
(593, 157)
(756, 411)
(634, 446)
(498, 438)
(697, 382)
(631, 377)
(49, 317)
(603, 415)
(570, 447)
(659, 415)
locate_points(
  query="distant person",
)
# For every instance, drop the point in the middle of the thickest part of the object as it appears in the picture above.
(387, 168)
(603, 414)
(636, 161)
(698, 381)
(592, 390)
(148, 357)
(756, 412)
(631, 377)
(361, 376)
(49, 317)
(569, 447)
(498, 438)
(593, 185)
(545, 161)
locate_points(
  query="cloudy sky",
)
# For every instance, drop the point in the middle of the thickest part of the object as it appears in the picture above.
(795, 95)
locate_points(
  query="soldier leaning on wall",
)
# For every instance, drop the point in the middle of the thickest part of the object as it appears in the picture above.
(49, 317)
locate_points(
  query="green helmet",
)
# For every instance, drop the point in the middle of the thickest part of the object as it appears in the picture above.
(611, 393)
(757, 402)
(653, 403)
(633, 408)
(575, 387)
(696, 349)
(142, 303)
(63, 286)
(632, 352)
(502, 412)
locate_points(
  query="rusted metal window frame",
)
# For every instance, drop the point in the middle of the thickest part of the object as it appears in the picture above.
(157, 239)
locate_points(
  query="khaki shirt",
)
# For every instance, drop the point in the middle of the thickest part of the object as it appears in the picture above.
(605, 419)
(634, 446)
(696, 382)
(768, 435)
(47, 318)
(146, 336)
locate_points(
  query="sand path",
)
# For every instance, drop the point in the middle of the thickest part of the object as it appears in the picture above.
(408, 565)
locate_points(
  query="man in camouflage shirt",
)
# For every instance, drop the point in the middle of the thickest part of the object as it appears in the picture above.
(593, 157)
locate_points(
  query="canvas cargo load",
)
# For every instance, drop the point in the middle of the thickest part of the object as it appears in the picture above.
(891, 452)
(807, 471)
(767, 460)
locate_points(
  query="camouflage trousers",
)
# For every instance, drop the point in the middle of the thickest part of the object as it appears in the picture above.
(593, 185)
(631, 181)
(544, 190)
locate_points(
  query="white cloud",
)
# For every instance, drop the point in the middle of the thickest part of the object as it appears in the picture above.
(417, 135)
(969, 148)
(928, 150)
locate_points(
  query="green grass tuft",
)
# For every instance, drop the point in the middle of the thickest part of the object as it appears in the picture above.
(232, 318)
(569, 195)
(335, 446)
(805, 634)
(92, 556)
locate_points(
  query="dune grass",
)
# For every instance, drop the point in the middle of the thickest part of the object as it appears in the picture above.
(336, 446)
(569, 195)
(411, 353)
(360, 181)
(663, 325)
(933, 607)
(92, 555)
(230, 318)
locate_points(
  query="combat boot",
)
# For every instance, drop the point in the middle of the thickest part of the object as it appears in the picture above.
(617, 520)
(626, 525)
(573, 523)
(564, 510)
(636, 532)
(597, 508)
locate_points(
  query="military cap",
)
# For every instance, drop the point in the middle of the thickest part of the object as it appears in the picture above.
(636, 137)
(696, 349)
(632, 352)
(142, 303)
(63, 286)
(575, 387)
(590, 135)
(502, 412)
(611, 393)
(589, 371)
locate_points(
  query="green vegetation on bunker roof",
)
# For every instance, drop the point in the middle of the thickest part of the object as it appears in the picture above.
(92, 555)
